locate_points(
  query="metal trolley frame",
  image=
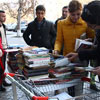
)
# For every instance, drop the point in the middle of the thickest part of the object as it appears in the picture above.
(37, 92)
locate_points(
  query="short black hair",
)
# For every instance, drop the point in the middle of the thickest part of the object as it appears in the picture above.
(40, 7)
(2, 11)
(65, 7)
(91, 12)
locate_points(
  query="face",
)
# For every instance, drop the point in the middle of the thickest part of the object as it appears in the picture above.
(74, 16)
(2, 17)
(40, 15)
(64, 12)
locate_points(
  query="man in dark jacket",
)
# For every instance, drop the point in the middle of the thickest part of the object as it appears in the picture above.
(64, 15)
(91, 15)
(40, 32)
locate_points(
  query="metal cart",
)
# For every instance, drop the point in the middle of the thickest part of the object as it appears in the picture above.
(46, 89)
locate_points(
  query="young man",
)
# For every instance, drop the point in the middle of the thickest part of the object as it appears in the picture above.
(91, 15)
(40, 32)
(4, 46)
(64, 15)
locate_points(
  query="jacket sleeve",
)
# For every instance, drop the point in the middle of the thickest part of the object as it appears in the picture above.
(59, 37)
(27, 34)
(56, 25)
(90, 33)
(53, 35)
(91, 54)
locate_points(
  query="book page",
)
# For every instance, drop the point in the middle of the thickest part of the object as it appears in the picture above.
(79, 42)
(63, 96)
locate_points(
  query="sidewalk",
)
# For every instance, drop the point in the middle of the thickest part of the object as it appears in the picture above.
(8, 95)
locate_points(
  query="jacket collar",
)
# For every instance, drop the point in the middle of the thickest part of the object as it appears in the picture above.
(68, 21)
(39, 25)
(37, 20)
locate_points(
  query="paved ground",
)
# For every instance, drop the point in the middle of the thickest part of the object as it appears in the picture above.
(8, 95)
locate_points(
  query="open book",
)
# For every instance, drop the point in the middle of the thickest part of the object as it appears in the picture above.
(82, 44)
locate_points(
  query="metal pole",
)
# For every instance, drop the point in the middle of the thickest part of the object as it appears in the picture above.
(27, 92)
(14, 91)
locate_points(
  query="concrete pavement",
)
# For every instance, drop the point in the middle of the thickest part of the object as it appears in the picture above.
(8, 95)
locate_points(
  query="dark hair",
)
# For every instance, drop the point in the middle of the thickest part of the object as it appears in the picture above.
(65, 7)
(91, 12)
(40, 7)
(2, 11)
(74, 5)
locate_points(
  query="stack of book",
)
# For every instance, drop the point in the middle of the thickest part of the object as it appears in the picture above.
(66, 73)
(62, 73)
(20, 60)
(36, 62)
(12, 60)
(20, 57)
(29, 72)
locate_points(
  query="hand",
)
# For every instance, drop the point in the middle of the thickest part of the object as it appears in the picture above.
(56, 52)
(96, 70)
(72, 56)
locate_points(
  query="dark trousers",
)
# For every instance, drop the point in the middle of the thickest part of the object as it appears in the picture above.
(4, 64)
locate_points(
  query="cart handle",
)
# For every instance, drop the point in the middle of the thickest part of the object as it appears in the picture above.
(13, 74)
(39, 98)
(10, 74)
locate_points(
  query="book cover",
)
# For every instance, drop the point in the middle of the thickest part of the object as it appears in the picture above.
(30, 70)
(82, 44)
(34, 74)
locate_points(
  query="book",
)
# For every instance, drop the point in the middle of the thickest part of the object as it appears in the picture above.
(34, 74)
(82, 44)
(36, 60)
(63, 96)
(30, 70)
(11, 50)
(61, 62)
(59, 73)
(36, 64)
(34, 78)
(84, 68)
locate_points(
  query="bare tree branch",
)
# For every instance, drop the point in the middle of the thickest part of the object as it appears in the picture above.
(27, 7)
